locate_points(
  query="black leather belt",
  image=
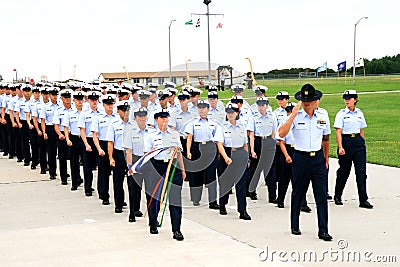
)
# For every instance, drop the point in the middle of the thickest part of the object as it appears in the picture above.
(262, 137)
(351, 135)
(308, 153)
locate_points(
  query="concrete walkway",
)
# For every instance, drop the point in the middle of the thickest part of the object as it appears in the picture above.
(45, 224)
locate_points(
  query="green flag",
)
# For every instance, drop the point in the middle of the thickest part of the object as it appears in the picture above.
(190, 22)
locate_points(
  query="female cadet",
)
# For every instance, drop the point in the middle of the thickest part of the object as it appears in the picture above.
(349, 125)
(233, 156)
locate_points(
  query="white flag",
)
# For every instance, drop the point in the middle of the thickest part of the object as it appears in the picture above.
(360, 63)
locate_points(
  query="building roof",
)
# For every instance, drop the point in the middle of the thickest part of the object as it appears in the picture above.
(162, 74)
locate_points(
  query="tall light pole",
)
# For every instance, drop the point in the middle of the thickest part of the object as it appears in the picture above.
(354, 50)
(169, 48)
(187, 72)
(127, 75)
(207, 2)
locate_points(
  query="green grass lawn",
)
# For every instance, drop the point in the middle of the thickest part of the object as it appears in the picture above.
(381, 110)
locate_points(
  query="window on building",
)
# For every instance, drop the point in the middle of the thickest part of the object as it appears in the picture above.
(174, 80)
(160, 81)
(136, 80)
(149, 80)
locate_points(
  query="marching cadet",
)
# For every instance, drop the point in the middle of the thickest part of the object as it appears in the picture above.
(2, 126)
(163, 96)
(59, 116)
(90, 152)
(115, 149)
(5, 120)
(259, 91)
(200, 147)
(216, 113)
(73, 138)
(232, 160)
(181, 116)
(220, 104)
(349, 125)
(16, 130)
(133, 142)
(243, 116)
(20, 117)
(153, 103)
(173, 101)
(123, 94)
(33, 133)
(238, 90)
(9, 122)
(49, 134)
(261, 127)
(135, 102)
(310, 132)
(42, 144)
(99, 129)
(163, 137)
(194, 97)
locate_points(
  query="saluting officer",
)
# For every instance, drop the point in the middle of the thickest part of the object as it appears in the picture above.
(59, 116)
(163, 137)
(99, 129)
(233, 157)
(200, 145)
(74, 140)
(49, 134)
(134, 144)
(33, 134)
(310, 129)
(115, 149)
(349, 125)
(261, 127)
(90, 153)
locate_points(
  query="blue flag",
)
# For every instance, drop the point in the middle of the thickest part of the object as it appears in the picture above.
(341, 66)
(324, 67)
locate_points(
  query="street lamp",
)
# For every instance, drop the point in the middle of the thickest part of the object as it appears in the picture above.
(354, 50)
(16, 75)
(127, 75)
(187, 72)
(169, 49)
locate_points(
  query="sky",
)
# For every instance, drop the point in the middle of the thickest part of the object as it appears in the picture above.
(44, 37)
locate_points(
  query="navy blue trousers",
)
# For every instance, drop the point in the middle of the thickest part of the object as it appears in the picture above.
(308, 168)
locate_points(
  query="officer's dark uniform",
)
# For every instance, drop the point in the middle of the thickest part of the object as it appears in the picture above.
(309, 163)
(350, 125)
(155, 140)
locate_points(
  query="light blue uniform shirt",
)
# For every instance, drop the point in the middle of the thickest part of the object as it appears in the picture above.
(115, 133)
(350, 122)
(37, 109)
(85, 120)
(71, 121)
(280, 114)
(47, 112)
(100, 124)
(157, 139)
(134, 138)
(31, 105)
(178, 119)
(12, 105)
(20, 107)
(307, 132)
(60, 114)
(254, 109)
(262, 125)
(5, 102)
(217, 115)
(231, 136)
(202, 130)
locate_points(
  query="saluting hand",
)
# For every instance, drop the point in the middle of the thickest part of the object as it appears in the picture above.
(296, 109)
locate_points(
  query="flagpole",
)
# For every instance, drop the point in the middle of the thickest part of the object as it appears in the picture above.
(354, 50)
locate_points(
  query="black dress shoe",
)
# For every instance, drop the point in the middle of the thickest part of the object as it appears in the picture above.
(305, 209)
(328, 197)
(19, 160)
(42, 172)
(222, 210)
(213, 206)
(73, 188)
(10, 157)
(5, 154)
(153, 230)
(273, 201)
(280, 205)
(64, 183)
(80, 181)
(106, 202)
(26, 163)
(124, 204)
(118, 210)
(338, 201)
(244, 216)
(253, 196)
(178, 235)
(68, 175)
(52, 177)
(132, 218)
(195, 203)
(92, 189)
(296, 232)
(88, 194)
(365, 204)
(138, 213)
(325, 237)
(33, 167)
